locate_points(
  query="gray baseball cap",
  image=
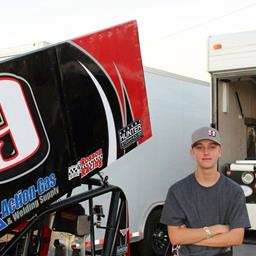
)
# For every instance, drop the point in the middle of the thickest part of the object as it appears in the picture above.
(205, 133)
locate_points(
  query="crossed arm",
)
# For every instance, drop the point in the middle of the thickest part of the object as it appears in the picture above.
(222, 236)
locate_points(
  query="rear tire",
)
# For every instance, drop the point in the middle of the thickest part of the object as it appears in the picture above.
(156, 239)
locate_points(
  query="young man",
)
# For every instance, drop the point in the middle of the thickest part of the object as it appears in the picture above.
(205, 212)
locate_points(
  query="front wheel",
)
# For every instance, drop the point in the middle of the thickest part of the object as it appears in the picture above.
(156, 239)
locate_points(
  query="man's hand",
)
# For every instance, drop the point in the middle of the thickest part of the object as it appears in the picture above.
(218, 229)
(230, 238)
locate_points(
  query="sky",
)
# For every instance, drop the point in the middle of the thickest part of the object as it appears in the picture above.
(173, 33)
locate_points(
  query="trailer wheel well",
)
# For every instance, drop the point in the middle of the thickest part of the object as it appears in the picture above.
(155, 239)
(157, 207)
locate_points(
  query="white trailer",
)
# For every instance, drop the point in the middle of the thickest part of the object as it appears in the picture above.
(232, 65)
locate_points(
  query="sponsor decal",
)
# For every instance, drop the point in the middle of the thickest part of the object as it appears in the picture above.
(124, 231)
(24, 201)
(86, 165)
(130, 134)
